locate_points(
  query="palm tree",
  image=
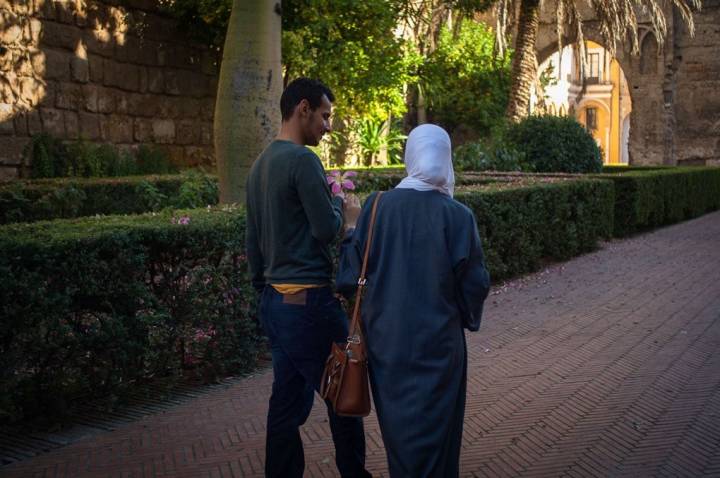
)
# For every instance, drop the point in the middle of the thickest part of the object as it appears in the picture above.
(247, 115)
(616, 18)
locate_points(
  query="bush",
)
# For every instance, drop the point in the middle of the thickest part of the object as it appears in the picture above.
(52, 158)
(477, 157)
(647, 199)
(91, 307)
(28, 201)
(521, 226)
(556, 144)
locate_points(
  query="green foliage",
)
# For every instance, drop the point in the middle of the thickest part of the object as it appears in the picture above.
(478, 157)
(556, 144)
(372, 139)
(51, 158)
(352, 46)
(75, 197)
(92, 307)
(465, 82)
(197, 190)
(153, 161)
(523, 226)
(47, 156)
(659, 196)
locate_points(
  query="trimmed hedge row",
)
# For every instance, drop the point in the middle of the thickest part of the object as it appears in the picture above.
(92, 306)
(46, 199)
(522, 226)
(64, 198)
(647, 199)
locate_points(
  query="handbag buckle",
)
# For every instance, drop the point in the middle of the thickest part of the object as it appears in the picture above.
(353, 339)
(362, 281)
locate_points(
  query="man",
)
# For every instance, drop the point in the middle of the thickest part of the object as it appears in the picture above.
(291, 221)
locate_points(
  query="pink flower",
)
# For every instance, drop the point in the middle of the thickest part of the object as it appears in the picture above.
(340, 182)
(184, 220)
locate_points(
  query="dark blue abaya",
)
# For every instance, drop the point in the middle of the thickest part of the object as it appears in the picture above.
(426, 282)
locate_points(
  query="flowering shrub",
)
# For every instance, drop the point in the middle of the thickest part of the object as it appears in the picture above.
(91, 307)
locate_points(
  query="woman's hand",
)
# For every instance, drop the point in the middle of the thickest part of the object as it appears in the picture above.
(351, 210)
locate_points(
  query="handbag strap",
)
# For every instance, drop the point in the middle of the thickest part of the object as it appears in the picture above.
(355, 331)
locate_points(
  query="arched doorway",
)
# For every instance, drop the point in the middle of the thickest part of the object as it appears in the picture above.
(599, 99)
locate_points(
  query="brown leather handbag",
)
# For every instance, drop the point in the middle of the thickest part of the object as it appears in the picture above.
(345, 378)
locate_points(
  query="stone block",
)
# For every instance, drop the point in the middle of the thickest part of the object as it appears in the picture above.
(59, 35)
(35, 30)
(72, 127)
(163, 131)
(23, 65)
(95, 65)
(21, 124)
(89, 126)
(156, 82)
(143, 105)
(52, 122)
(57, 65)
(11, 150)
(107, 100)
(90, 97)
(121, 75)
(9, 173)
(80, 70)
(198, 156)
(143, 79)
(206, 133)
(99, 42)
(39, 62)
(46, 10)
(188, 132)
(117, 128)
(69, 96)
(12, 30)
(66, 11)
(6, 111)
(32, 91)
(143, 131)
(34, 122)
(7, 125)
(185, 83)
(176, 154)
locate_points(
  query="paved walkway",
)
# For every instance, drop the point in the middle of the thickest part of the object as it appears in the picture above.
(607, 365)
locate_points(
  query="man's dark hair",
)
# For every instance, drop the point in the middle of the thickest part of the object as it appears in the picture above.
(303, 89)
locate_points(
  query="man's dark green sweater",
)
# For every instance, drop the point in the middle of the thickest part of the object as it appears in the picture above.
(291, 217)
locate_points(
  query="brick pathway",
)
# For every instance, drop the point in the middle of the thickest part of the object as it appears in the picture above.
(607, 365)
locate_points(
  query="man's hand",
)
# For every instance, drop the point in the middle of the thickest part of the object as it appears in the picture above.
(351, 210)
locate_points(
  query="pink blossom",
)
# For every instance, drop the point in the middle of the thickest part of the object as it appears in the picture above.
(340, 182)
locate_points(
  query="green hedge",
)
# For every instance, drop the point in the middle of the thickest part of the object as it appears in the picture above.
(92, 307)
(65, 198)
(522, 226)
(647, 199)
(46, 199)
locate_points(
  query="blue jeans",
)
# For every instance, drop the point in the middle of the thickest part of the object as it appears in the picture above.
(301, 328)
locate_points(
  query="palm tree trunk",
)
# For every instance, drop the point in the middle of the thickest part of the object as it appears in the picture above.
(249, 86)
(524, 62)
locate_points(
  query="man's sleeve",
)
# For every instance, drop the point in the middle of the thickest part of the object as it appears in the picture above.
(323, 211)
(254, 254)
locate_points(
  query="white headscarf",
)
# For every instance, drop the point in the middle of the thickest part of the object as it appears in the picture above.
(428, 160)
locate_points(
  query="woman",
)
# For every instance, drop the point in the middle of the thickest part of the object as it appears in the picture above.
(426, 281)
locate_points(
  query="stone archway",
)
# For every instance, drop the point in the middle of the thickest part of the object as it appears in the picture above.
(648, 122)
(600, 102)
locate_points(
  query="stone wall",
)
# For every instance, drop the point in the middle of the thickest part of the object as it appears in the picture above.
(105, 71)
(675, 87)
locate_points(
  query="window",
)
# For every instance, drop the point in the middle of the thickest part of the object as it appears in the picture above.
(593, 75)
(591, 119)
